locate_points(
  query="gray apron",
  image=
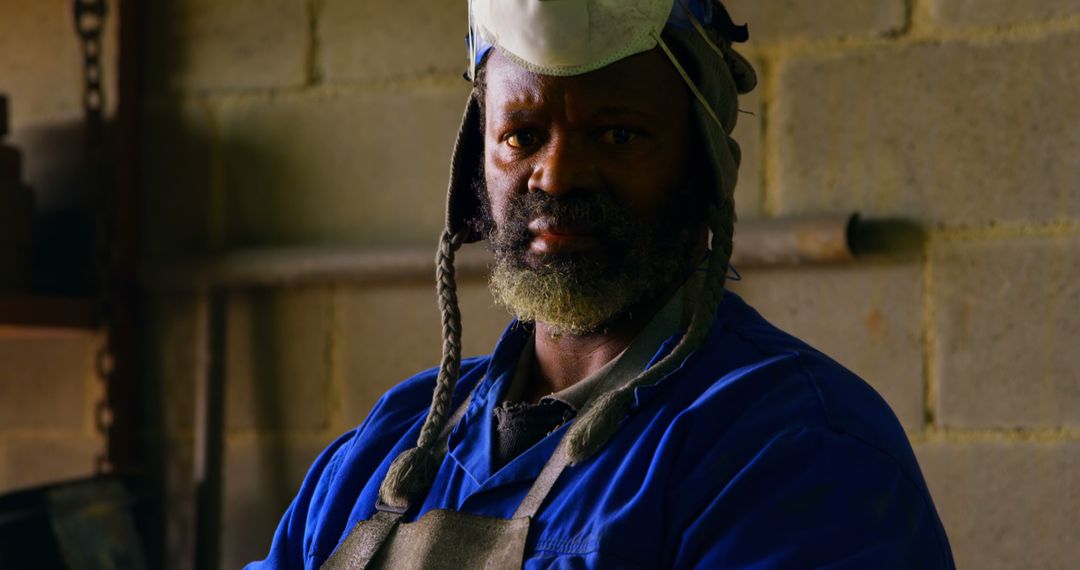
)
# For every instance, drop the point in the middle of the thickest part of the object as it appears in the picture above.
(452, 540)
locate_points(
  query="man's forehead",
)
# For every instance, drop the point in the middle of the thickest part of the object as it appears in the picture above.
(639, 81)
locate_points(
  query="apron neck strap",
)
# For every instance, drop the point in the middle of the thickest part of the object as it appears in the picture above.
(545, 481)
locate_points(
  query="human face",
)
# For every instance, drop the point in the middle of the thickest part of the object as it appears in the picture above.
(622, 130)
(586, 178)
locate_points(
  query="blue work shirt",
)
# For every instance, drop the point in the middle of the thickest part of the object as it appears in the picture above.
(758, 452)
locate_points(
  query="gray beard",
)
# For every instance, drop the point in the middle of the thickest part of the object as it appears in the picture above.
(570, 304)
(583, 294)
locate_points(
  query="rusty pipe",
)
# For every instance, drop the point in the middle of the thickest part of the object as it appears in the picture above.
(822, 239)
(794, 241)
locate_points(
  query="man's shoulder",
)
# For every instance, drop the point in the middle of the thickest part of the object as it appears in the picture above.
(767, 422)
(767, 380)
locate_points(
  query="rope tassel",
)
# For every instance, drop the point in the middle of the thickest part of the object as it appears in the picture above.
(412, 473)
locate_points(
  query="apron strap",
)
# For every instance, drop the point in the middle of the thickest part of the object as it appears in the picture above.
(545, 481)
(365, 540)
(367, 537)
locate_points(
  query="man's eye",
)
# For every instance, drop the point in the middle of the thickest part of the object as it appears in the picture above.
(618, 136)
(521, 139)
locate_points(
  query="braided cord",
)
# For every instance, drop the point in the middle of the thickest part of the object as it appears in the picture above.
(450, 366)
(413, 471)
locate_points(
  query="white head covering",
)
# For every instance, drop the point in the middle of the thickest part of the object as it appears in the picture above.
(569, 37)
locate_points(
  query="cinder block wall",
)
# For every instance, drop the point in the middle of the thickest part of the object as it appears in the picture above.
(293, 122)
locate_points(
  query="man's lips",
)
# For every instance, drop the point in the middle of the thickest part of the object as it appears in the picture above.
(551, 237)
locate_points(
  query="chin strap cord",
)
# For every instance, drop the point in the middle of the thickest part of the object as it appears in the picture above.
(412, 472)
(690, 82)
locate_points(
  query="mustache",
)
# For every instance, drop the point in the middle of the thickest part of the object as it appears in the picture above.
(593, 212)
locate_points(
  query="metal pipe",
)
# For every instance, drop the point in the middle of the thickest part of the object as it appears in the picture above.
(299, 266)
(795, 241)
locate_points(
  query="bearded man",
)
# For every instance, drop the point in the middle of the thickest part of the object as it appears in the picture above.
(634, 414)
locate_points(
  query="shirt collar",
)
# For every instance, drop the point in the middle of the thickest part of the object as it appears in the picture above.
(470, 443)
(631, 361)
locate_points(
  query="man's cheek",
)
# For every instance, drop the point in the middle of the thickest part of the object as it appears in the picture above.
(497, 200)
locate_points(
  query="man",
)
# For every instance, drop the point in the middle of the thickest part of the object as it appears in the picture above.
(634, 414)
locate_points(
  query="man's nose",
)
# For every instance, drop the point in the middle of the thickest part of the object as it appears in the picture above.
(564, 166)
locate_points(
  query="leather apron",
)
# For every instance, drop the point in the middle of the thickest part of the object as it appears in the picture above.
(452, 540)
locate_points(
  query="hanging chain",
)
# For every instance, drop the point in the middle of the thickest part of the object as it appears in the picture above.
(89, 23)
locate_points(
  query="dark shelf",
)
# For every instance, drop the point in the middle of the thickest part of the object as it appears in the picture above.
(27, 313)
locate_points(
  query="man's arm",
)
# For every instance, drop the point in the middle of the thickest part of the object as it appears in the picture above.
(320, 514)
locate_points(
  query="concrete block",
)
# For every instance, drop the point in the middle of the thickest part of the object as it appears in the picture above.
(40, 460)
(367, 40)
(773, 21)
(393, 332)
(261, 478)
(952, 134)
(865, 317)
(41, 62)
(278, 352)
(748, 133)
(367, 167)
(1007, 505)
(182, 210)
(1006, 320)
(44, 382)
(222, 46)
(972, 13)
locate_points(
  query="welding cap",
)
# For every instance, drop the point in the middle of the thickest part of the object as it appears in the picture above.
(572, 37)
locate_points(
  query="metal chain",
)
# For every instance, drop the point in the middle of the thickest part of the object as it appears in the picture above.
(89, 23)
